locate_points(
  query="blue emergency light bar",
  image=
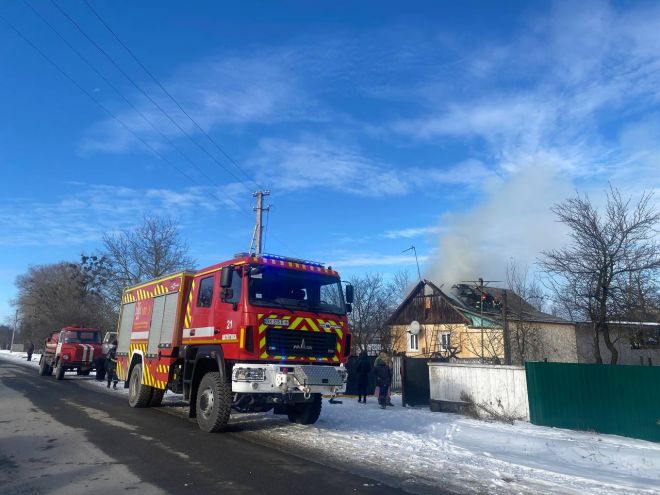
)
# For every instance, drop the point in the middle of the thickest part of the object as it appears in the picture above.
(292, 260)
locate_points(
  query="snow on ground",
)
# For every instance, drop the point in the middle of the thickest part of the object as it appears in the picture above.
(424, 451)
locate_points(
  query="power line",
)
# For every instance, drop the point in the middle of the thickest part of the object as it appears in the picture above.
(174, 100)
(103, 107)
(143, 92)
(121, 95)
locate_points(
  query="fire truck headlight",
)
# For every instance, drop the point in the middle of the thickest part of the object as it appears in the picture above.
(65, 357)
(249, 375)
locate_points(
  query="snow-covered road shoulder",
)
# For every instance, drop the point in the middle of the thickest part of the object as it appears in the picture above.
(424, 451)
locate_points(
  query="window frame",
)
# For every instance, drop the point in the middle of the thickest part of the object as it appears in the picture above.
(413, 339)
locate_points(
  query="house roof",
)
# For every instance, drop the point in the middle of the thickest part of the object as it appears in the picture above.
(465, 299)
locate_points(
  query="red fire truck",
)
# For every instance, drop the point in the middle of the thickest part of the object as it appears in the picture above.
(252, 334)
(72, 348)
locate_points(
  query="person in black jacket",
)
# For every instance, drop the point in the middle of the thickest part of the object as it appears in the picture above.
(363, 369)
(110, 365)
(383, 376)
(30, 349)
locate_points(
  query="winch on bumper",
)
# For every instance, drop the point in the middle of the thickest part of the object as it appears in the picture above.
(286, 379)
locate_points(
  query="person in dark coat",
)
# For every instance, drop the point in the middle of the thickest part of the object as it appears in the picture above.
(111, 364)
(30, 349)
(363, 369)
(383, 376)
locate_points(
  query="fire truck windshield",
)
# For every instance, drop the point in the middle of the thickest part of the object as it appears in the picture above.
(292, 289)
(81, 337)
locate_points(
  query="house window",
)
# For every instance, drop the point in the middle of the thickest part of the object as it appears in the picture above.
(413, 343)
(445, 341)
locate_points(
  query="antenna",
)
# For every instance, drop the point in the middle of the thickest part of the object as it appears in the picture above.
(419, 274)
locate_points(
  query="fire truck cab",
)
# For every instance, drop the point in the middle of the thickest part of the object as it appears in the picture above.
(253, 334)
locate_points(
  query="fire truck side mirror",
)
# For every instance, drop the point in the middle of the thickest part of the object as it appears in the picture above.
(349, 294)
(225, 276)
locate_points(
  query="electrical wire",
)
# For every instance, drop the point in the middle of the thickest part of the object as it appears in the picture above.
(174, 100)
(121, 95)
(143, 92)
(101, 105)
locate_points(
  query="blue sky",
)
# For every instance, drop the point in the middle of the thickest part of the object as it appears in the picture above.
(453, 127)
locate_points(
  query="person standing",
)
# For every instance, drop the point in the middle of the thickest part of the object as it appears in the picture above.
(111, 364)
(30, 349)
(363, 369)
(383, 376)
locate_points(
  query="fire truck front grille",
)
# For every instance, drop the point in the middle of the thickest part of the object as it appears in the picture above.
(300, 343)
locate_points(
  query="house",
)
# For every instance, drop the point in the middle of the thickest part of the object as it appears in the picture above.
(636, 342)
(462, 323)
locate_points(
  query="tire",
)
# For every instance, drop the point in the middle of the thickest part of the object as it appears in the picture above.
(305, 413)
(59, 371)
(156, 397)
(43, 367)
(213, 403)
(139, 394)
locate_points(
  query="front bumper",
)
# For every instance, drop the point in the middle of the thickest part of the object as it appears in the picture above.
(288, 379)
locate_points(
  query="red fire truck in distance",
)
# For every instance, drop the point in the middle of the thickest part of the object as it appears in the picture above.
(252, 334)
(72, 348)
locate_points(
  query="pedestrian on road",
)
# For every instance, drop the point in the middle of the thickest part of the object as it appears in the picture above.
(363, 369)
(30, 349)
(383, 376)
(111, 364)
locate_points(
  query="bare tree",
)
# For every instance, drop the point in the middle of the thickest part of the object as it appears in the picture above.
(53, 296)
(147, 252)
(589, 276)
(525, 339)
(371, 308)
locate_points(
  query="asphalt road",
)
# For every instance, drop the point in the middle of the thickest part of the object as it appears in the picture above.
(63, 437)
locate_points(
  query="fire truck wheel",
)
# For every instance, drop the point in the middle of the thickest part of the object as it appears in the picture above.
(213, 403)
(156, 397)
(43, 368)
(59, 371)
(139, 394)
(305, 413)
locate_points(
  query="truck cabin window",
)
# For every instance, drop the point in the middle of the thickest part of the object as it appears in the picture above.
(205, 293)
(236, 286)
(279, 287)
(77, 337)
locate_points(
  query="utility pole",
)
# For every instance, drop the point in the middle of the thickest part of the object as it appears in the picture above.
(419, 274)
(505, 328)
(13, 332)
(258, 228)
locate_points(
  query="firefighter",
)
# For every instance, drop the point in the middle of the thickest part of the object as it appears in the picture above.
(30, 349)
(362, 369)
(111, 364)
(383, 376)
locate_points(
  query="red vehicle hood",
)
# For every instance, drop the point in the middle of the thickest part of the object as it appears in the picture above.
(84, 353)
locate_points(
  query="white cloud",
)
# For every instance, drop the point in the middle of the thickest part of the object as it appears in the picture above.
(216, 91)
(92, 210)
(366, 260)
(412, 232)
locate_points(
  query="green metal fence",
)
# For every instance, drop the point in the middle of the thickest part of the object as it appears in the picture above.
(618, 399)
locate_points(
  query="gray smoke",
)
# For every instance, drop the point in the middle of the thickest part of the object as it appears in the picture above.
(512, 221)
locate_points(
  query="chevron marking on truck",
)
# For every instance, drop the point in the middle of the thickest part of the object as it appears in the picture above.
(188, 317)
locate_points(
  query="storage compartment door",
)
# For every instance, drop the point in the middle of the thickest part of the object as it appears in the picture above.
(169, 316)
(125, 327)
(156, 324)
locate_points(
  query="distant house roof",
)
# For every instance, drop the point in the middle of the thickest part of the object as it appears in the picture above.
(462, 304)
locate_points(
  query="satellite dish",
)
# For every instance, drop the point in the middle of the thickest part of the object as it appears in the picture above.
(414, 327)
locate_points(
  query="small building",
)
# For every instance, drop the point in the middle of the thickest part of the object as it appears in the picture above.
(637, 342)
(465, 324)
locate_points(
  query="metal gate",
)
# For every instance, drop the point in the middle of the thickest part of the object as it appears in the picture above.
(416, 389)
